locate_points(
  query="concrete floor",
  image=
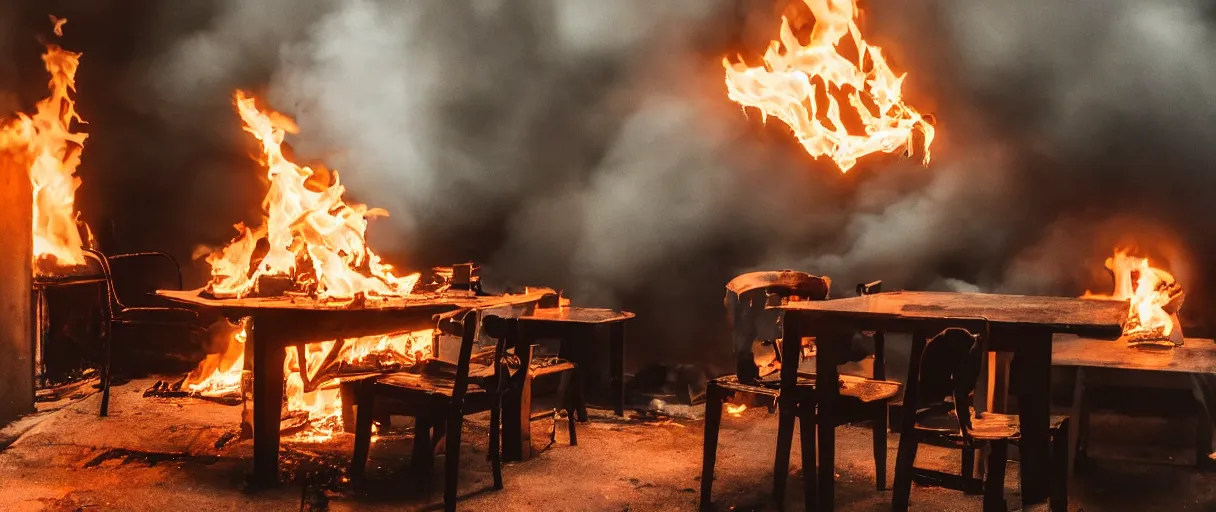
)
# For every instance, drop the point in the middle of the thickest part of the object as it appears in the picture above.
(160, 454)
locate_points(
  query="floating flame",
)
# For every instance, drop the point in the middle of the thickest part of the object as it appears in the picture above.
(45, 146)
(314, 237)
(1154, 296)
(735, 410)
(802, 86)
(220, 374)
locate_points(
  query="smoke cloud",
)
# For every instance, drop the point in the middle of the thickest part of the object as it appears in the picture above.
(589, 145)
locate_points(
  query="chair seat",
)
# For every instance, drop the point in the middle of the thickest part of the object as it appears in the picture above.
(442, 384)
(851, 386)
(992, 426)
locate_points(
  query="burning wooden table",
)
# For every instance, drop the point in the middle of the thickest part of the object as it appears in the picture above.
(277, 323)
(1022, 325)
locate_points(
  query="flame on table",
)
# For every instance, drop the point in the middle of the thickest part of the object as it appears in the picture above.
(45, 146)
(1150, 291)
(221, 374)
(314, 237)
(803, 84)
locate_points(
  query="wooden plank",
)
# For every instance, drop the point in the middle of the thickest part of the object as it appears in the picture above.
(16, 265)
(1098, 318)
(577, 315)
(1196, 355)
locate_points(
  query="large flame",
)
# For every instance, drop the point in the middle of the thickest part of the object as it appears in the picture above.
(314, 237)
(220, 374)
(802, 85)
(1153, 294)
(45, 146)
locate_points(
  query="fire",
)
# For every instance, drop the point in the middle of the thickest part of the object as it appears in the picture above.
(220, 374)
(1154, 296)
(735, 410)
(45, 146)
(803, 85)
(314, 237)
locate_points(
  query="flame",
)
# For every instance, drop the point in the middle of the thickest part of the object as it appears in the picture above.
(220, 374)
(314, 237)
(802, 86)
(45, 146)
(735, 410)
(1149, 291)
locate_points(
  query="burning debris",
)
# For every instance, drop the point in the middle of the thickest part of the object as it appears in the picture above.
(45, 146)
(312, 241)
(804, 84)
(1154, 296)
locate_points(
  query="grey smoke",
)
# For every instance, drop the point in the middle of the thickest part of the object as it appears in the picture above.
(588, 144)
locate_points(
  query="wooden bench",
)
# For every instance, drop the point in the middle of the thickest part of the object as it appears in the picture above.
(1092, 358)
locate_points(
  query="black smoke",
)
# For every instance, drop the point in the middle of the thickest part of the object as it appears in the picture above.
(589, 145)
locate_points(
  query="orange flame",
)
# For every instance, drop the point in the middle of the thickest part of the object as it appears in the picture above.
(1154, 296)
(801, 85)
(220, 374)
(314, 236)
(735, 410)
(47, 148)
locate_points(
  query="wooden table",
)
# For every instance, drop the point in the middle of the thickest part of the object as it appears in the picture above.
(278, 323)
(1196, 357)
(1018, 324)
(569, 325)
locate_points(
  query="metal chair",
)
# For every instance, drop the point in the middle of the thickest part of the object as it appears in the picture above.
(747, 298)
(131, 304)
(942, 377)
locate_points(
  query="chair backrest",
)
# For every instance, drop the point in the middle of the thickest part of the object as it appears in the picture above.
(137, 276)
(948, 367)
(746, 298)
(463, 323)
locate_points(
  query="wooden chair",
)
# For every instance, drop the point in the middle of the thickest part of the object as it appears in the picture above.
(438, 398)
(863, 398)
(517, 392)
(131, 303)
(942, 377)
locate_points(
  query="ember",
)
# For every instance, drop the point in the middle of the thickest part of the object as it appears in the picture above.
(785, 87)
(46, 146)
(1154, 295)
(312, 389)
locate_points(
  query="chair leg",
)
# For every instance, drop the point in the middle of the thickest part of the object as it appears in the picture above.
(108, 341)
(364, 411)
(880, 446)
(422, 462)
(810, 473)
(451, 464)
(994, 483)
(785, 441)
(1060, 464)
(571, 382)
(495, 439)
(968, 471)
(709, 449)
(905, 459)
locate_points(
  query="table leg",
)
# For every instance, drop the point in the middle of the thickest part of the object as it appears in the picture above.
(267, 401)
(827, 389)
(617, 341)
(1034, 411)
(516, 427)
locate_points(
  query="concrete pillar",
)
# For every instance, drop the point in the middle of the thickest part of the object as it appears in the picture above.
(16, 267)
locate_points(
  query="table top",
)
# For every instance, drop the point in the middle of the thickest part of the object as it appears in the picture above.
(292, 303)
(1196, 355)
(1097, 317)
(577, 315)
